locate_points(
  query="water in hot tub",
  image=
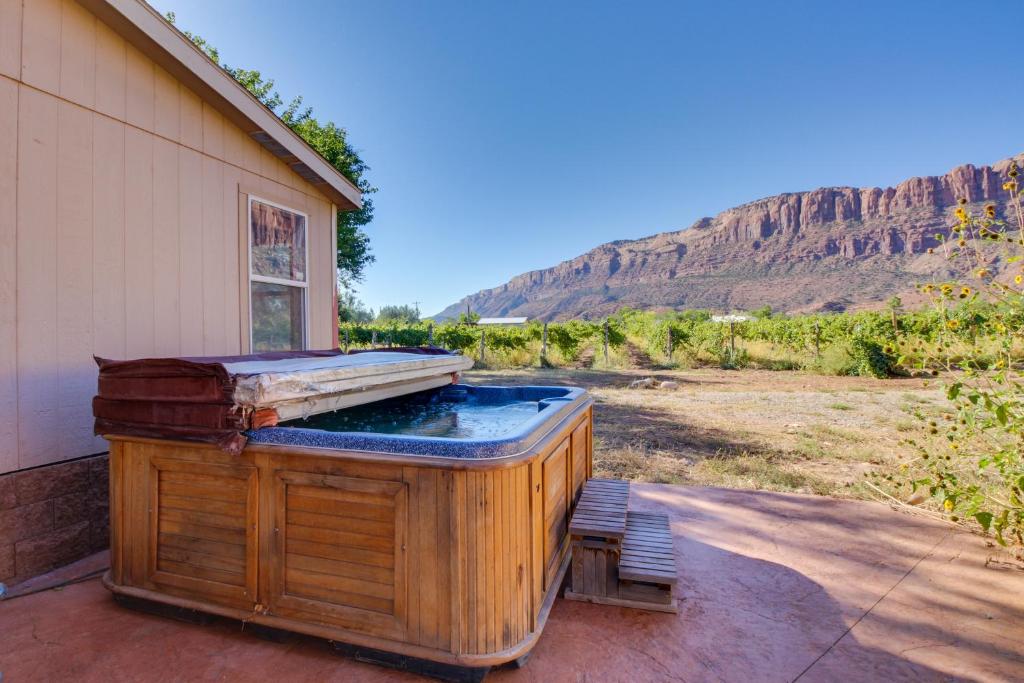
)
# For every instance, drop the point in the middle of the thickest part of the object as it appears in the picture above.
(441, 414)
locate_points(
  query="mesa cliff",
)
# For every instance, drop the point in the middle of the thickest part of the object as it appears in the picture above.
(827, 249)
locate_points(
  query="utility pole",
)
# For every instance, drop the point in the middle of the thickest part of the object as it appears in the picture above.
(606, 341)
(544, 345)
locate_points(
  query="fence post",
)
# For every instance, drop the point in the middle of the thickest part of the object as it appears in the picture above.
(544, 345)
(606, 341)
(373, 339)
(732, 338)
(346, 340)
(483, 344)
(817, 340)
(668, 346)
(430, 334)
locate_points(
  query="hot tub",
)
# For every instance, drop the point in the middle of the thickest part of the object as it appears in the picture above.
(432, 526)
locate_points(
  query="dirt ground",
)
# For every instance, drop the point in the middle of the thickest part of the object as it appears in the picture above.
(779, 431)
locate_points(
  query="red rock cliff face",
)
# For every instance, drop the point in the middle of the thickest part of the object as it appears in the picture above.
(824, 249)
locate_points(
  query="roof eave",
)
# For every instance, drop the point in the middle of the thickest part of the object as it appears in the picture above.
(144, 28)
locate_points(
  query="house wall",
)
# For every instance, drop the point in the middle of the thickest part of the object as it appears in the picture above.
(122, 211)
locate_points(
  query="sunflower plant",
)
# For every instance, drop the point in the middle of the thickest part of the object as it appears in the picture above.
(971, 467)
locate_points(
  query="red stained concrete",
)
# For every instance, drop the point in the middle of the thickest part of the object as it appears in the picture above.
(775, 588)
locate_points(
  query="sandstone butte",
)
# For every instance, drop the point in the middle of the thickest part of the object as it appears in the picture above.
(831, 249)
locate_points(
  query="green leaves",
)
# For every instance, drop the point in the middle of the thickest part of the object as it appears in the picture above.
(1000, 525)
(984, 519)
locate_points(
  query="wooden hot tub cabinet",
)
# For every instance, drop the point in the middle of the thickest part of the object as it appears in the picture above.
(451, 560)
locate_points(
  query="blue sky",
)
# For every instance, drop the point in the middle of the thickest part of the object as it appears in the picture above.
(510, 136)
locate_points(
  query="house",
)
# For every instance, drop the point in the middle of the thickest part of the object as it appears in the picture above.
(149, 206)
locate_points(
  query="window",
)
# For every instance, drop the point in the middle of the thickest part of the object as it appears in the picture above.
(278, 280)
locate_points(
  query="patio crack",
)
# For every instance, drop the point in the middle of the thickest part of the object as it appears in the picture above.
(927, 647)
(747, 610)
(667, 670)
(41, 641)
(869, 610)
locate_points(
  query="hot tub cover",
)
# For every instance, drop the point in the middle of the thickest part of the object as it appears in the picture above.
(215, 399)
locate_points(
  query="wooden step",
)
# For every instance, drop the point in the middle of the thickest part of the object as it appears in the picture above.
(601, 510)
(647, 554)
(638, 572)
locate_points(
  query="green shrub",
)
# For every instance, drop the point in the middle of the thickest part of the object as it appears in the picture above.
(836, 360)
(457, 337)
(728, 359)
(872, 358)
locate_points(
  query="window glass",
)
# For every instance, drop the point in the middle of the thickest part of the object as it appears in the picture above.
(278, 317)
(277, 277)
(278, 242)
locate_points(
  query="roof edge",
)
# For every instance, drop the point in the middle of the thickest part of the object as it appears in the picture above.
(143, 27)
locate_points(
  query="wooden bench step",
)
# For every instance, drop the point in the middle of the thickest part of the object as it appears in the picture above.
(601, 510)
(619, 557)
(647, 554)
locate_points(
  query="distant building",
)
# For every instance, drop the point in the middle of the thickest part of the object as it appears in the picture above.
(502, 321)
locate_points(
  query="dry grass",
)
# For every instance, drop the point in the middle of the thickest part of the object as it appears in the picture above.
(779, 431)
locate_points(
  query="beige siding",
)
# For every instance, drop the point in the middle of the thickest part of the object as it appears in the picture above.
(110, 86)
(190, 256)
(167, 106)
(108, 207)
(38, 389)
(122, 199)
(232, 258)
(212, 247)
(8, 269)
(138, 242)
(166, 248)
(140, 98)
(77, 54)
(40, 44)
(10, 38)
(74, 276)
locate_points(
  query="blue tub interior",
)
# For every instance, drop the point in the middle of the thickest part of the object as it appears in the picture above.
(457, 421)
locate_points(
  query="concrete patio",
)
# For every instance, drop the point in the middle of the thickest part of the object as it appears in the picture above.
(775, 588)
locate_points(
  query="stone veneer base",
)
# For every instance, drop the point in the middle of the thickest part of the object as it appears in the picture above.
(52, 515)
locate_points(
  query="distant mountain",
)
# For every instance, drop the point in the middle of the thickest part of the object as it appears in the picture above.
(827, 249)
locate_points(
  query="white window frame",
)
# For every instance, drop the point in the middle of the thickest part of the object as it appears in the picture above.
(253, 277)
